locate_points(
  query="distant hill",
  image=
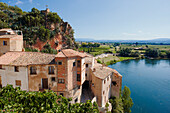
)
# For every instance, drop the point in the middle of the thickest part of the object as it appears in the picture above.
(42, 30)
(158, 40)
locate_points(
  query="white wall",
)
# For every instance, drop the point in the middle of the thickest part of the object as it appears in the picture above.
(83, 70)
(9, 76)
(106, 89)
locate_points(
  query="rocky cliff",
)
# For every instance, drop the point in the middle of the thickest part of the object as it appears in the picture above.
(43, 30)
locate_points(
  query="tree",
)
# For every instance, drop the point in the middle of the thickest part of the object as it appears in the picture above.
(116, 44)
(53, 17)
(168, 53)
(126, 100)
(135, 54)
(117, 105)
(152, 52)
(125, 52)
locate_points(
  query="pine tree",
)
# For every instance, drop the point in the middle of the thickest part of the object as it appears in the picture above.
(127, 100)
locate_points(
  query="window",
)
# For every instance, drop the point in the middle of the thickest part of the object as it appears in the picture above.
(78, 77)
(103, 92)
(33, 70)
(59, 63)
(53, 79)
(4, 43)
(76, 100)
(104, 81)
(0, 66)
(114, 83)
(74, 64)
(107, 78)
(86, 74)
(61, 94)
(87, 65)
(51, 70)
(61, 81)
(16, 68)
(18, 82)
(78, 63)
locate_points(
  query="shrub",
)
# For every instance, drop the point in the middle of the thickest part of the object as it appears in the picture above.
(16, 100)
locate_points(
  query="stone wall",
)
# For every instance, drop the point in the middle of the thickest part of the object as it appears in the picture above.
(96, 87)
(4, 48)
(116, 84)
(35, 80)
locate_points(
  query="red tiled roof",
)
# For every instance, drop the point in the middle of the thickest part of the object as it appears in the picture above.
(70, 53)
(26, 58)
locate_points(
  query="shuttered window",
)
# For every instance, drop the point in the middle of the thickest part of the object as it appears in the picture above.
(18, 82)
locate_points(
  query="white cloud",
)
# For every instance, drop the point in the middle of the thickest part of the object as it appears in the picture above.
(140, 31)
(30, 1)
(19, 2)
(129, 34)
(9, 2)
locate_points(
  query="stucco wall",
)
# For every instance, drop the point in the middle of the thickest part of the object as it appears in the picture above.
(96, 87)
(16, 44)
(35, 80)
(9, 76)
(72, 73)
(83, 70)
(4, 48)
(106, 88)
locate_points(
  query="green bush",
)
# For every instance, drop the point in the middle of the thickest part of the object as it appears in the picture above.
(16, 100)
(98, 61)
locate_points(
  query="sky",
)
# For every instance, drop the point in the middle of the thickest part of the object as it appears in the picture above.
(109, 19)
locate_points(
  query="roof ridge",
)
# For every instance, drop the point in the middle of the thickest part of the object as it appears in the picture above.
(63, 53)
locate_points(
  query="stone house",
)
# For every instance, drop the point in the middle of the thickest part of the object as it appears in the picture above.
(65, 73)
(69, 73)
(10, 40)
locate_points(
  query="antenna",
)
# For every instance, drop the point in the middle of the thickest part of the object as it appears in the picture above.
(46, 6)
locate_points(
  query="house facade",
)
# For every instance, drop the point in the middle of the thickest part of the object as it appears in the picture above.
(69, 73)
(10, 40)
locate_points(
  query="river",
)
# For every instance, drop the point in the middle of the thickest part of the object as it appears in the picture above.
(149, 82)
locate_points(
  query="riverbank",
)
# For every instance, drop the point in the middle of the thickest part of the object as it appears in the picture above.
(110, 59)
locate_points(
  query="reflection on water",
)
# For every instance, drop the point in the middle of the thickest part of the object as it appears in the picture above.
(149, 82)
(151, 62)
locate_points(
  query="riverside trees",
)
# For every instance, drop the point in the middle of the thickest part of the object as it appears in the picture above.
(122, 104)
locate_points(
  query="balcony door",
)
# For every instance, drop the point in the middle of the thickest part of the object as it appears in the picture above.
(45, 83)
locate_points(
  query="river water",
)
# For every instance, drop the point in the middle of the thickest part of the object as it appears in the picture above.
(149, 82)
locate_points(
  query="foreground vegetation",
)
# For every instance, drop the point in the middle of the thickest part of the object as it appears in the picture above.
(16, 100)
(122, 104)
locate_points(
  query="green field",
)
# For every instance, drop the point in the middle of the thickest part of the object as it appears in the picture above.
(111, 58)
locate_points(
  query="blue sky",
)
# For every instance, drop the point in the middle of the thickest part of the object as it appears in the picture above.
(109, 19)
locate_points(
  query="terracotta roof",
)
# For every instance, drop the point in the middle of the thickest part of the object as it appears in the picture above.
(102, 71)
(26, 58)
(70, 53)
(8, 36)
